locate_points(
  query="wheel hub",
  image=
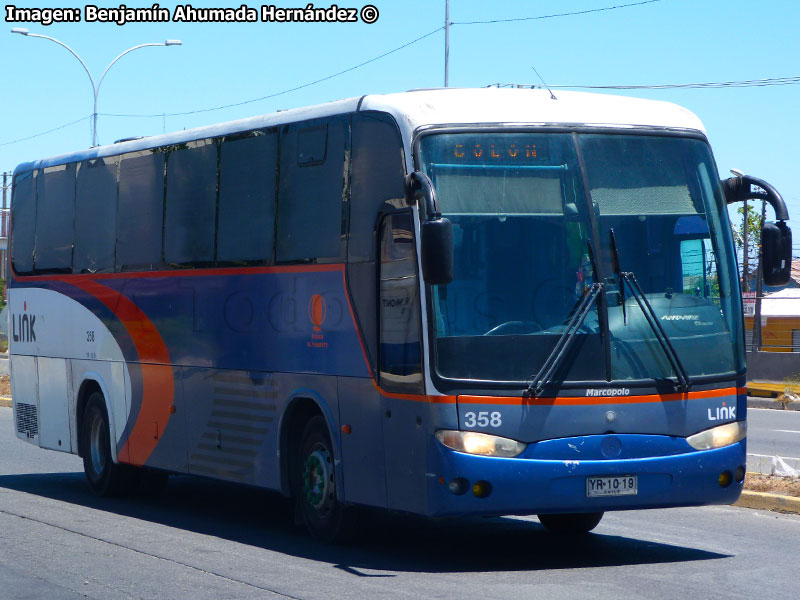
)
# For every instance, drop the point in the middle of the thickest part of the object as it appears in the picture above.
(318, 484)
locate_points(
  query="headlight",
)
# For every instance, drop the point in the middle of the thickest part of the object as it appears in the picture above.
(482, 444)
(717, 437)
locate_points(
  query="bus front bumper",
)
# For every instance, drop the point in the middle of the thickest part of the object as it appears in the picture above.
(530, 486)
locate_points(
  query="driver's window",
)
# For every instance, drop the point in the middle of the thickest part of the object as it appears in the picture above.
(400, 345)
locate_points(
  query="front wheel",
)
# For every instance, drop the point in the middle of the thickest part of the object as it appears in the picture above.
(105, 477)
(314, 485)
(570, 523)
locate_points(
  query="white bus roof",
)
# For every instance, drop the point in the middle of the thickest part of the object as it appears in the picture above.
(529, 107)
(451, 106)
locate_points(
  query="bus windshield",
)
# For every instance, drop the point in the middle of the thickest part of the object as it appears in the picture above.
(533, 215)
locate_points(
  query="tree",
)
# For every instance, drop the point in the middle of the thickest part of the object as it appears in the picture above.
(753, 241)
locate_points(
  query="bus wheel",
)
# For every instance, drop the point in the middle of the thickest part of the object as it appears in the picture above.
(570, 523)
(105, 478)
(314, 486)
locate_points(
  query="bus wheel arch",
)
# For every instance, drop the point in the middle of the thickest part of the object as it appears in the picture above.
(309, 473)
(299, 411)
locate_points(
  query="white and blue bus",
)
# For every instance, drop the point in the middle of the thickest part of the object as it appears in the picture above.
(444, 302)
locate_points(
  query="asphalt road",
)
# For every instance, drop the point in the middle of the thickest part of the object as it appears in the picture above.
(203, 540)
(772, 433)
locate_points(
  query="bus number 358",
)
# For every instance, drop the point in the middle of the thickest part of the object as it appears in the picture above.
(483, 419)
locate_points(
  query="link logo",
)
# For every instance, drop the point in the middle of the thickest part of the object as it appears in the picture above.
(722, 413)
(22, 326)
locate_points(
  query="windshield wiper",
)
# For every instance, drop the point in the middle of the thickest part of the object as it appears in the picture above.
(684, 384)
(545, 374)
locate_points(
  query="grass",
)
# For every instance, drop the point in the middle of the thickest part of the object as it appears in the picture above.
(772, 484)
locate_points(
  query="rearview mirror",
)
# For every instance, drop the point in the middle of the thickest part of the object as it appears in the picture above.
(437, 251)
(776, 253)
(436, 231)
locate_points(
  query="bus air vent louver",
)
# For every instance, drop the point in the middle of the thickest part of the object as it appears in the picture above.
(27, 419)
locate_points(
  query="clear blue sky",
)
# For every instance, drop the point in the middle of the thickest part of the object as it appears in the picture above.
(669, 41)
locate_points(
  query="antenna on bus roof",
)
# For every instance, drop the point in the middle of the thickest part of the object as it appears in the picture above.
(552, 95)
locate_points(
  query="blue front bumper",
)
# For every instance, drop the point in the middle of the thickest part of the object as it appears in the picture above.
(529, 484)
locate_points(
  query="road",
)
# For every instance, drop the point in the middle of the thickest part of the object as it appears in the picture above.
(772, 433)
(203, 540)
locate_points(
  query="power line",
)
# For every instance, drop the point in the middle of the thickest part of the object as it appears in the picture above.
(294, 89)
(566, 14)
(337, 74)
(794, 80)
(371, 60)
(35, 135)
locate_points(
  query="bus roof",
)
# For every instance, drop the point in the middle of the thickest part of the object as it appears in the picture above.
(450, 106)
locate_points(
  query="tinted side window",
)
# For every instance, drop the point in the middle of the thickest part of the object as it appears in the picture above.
(95, 216)
(311, 190)
(377, 178)
(140, 210)
(191, 203)
(55, 218)
(247, 198)
(23, 222)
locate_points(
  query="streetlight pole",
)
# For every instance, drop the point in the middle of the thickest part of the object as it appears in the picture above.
(95, 87)
(447, 43)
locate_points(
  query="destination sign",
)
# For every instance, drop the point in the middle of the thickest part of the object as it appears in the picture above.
(487, 150)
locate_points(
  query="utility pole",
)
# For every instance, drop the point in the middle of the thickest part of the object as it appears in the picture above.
(757, 339)
(447, 43)
(745, 265)
(4, 229)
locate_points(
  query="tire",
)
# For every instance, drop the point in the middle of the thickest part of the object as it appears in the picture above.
(314, 486)
(105, 478)
(570, 524)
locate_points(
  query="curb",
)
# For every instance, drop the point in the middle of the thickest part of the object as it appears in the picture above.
(5, 401)
(764, 501)
(770, 403)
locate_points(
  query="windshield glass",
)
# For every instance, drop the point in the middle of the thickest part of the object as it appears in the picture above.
(525, 255)
(661, 197)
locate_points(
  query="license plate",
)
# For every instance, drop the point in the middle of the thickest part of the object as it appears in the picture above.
(625, 485)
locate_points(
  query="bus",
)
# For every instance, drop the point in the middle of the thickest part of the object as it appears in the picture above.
(440, 302)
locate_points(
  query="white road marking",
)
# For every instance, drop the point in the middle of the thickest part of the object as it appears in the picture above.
(785, 430)
(772, 456)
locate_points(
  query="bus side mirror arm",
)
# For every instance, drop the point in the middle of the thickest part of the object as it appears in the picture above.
(776, 238)
(436, 243)
(738, 189)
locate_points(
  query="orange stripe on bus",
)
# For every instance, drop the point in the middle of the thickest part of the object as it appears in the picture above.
(598, 400)
(158, 384)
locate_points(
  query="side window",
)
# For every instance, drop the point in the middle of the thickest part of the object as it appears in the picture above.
(140, 210)
(312, 168)
(377, 177)
(95, 216)
(400, 325)
(247, 198)
(191, 203)
(55, 218)
(23, 222)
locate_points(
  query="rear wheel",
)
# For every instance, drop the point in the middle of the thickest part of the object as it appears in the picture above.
(314, 485)
(570, 523)
(105, 478)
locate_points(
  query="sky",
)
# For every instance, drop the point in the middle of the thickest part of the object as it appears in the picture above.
(754, 129)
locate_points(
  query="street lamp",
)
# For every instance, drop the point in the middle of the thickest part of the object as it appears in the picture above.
(95, 88)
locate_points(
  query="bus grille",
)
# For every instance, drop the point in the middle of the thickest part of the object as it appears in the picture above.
(27, 419)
